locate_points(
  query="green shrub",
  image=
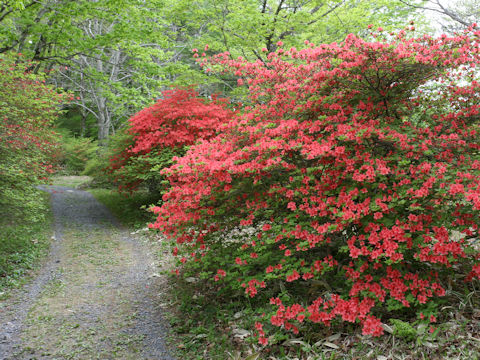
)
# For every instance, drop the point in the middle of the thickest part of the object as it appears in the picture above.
(76, 152)
(21, 244)
(403, 330)
(129, 210)
(95, 168)
(28, 145)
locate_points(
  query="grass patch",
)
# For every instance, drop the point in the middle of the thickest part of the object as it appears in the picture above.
(22, 245)
(71, 181)
(204, 325)
(130, 209)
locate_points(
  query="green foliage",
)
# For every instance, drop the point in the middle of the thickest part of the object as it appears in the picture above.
(145, 169)
(200, 318)
(28, 152)
(21, 245)
(77, 123)
(95, 168)
(114, 55)
(246, 26)
(403, 330)
(129, 172)
(119, 55)
(76, 152)
(129, 210)
(28, 145)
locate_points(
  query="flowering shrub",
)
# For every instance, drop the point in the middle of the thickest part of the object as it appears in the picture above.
(356, 167)
(160, 131)
(28, 144)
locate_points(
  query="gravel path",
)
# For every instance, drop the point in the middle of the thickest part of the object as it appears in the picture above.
(96, 297)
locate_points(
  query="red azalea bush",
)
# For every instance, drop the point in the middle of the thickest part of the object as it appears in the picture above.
(350, 186)
(162, 130)
(28, 143)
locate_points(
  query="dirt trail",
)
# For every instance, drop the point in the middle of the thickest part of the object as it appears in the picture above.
(96, 297)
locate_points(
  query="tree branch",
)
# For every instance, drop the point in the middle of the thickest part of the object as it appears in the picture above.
(443, 10)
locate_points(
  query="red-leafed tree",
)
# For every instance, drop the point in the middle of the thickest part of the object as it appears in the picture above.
(163, 130)
(352, 180)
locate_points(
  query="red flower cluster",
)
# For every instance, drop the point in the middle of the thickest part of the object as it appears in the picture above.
(180, 118)
(29, 108)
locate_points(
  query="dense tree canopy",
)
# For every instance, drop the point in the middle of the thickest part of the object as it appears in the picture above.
(118, 55)
(112, 54)
(244, 27)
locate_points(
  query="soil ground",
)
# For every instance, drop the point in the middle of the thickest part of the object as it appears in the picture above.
(96, 297)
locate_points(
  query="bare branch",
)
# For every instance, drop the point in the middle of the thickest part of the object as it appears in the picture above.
(443, 10)
(332, 9)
